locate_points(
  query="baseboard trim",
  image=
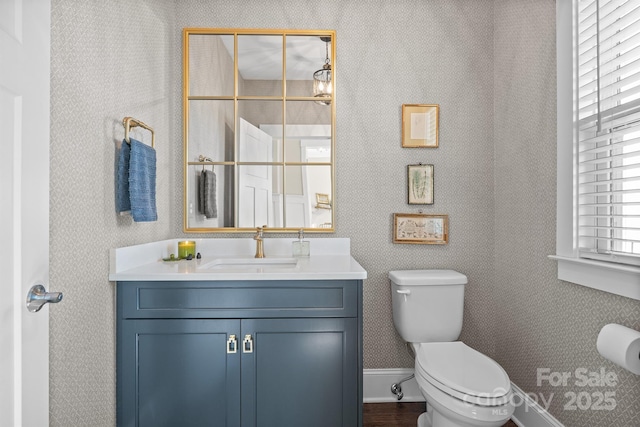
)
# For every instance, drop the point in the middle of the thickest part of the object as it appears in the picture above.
(377, 389)
(529, 413)
(377, 386)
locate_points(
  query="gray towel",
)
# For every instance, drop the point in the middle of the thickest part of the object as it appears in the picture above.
(208, 193)
(200, 189)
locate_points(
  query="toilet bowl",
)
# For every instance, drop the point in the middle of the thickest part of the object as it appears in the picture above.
(462, 387)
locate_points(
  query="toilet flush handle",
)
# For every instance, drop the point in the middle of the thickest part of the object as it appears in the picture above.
(404, 292)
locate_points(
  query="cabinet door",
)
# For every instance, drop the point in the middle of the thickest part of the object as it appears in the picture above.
(302, 372)
(177, 373)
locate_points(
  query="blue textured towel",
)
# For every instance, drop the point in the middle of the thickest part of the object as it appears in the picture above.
(123, 200)
(142, 182)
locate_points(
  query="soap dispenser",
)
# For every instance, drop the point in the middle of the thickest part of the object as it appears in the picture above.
(301, 247)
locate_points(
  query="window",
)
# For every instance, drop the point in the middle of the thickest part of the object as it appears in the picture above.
(608, 54)
(599, 144)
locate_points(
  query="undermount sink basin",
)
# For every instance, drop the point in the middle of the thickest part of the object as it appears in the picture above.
(245, 263)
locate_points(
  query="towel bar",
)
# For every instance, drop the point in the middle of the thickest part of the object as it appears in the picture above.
(204, 159)
(130, 122)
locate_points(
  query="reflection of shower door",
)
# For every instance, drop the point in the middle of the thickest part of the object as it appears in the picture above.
(255, 188)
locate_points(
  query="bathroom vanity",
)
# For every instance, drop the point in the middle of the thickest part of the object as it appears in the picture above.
(230, 340)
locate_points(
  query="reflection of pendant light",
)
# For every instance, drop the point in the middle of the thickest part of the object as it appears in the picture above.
(322, 86)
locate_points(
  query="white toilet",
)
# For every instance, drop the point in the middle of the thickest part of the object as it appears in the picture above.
(462, 387)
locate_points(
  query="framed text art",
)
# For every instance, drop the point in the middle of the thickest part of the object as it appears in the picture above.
(420, 125)
(421, 229)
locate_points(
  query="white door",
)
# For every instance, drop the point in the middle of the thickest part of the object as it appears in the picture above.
(255, 182)
(316, 179)
(24, 210)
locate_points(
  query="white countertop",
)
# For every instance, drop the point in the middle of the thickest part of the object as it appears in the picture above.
(330, 260)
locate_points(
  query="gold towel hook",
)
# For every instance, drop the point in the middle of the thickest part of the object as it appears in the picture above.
(130, 122)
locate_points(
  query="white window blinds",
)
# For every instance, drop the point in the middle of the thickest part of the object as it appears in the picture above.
(608, 151)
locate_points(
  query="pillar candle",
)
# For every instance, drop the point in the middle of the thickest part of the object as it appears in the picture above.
(186, 248)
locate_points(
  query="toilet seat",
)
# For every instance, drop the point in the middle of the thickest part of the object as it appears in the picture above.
(464, 373)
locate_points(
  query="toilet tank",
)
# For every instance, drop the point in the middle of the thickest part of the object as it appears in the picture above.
(427, 304)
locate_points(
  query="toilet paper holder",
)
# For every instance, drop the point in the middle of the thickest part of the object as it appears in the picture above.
(620, 345)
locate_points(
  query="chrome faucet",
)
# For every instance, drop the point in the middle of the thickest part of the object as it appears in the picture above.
(259, 241)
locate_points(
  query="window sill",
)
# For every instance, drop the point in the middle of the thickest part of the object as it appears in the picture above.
(617, 279)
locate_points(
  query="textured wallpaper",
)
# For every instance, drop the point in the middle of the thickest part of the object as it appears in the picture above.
(108, 60)
(490, 65)
(391, 53)
(540, 322)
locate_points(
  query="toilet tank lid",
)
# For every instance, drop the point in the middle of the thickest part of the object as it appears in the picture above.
(427, 277)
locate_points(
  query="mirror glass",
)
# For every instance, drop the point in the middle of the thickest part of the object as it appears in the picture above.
(258, 142)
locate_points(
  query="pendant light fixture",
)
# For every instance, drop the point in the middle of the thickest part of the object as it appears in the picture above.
(322, 85)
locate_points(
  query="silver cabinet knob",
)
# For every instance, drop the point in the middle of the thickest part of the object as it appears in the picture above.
(38, 297)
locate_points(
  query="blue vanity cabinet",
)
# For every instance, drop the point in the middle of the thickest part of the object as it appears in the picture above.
(177, 373)
(303, 372)
(239, 353)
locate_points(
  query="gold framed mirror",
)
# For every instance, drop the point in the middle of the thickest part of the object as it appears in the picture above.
(259, 129)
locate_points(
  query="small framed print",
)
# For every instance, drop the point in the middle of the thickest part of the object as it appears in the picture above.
(420, 125)
(322, 201)
(420, 184)
(420, 229)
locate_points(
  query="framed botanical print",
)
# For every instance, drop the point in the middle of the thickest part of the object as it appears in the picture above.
(420, 184)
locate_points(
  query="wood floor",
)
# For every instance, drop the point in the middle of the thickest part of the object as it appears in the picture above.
(401, 414)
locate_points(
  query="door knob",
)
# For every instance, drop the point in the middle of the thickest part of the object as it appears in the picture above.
(38, 297)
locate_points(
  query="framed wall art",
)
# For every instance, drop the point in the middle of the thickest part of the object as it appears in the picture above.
(420, 125)
(420, 229)
(323, 201)
(420, 184)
